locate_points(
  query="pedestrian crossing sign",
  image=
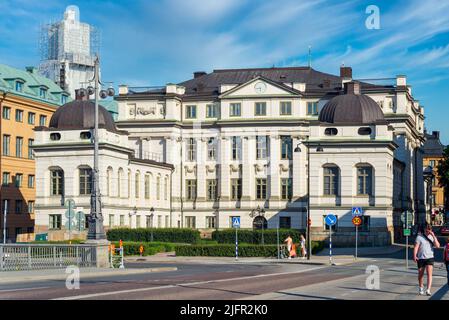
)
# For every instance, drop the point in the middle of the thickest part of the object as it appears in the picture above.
(236, 222)
(357, 212)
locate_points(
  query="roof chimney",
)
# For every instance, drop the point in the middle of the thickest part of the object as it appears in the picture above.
(345, 72)
(352, 87)
(436, 134)
(31, 69)
(198, 74)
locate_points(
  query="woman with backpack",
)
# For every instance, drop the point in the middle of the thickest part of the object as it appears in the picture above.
(423, 255)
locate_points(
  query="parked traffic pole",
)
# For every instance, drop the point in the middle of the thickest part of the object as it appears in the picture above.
(406, 252)
(277, 235)
(236, 245)
(356, 240)
(5, 212)
(330, 245)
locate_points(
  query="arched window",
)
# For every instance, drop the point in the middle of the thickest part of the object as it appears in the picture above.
(364, 180)
(166, 188)
(147, 186)
(56, 181)
(85, 175)
(119, 182)
(129, 184)
(331, 179)
(158, 188)
(365, 131)
(108, 181)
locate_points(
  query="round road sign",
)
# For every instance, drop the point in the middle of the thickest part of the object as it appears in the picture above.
(357, 221)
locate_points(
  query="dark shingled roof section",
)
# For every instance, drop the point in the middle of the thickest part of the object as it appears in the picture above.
(350, 109)
(210, 83)
(433, 146)
(79, 114)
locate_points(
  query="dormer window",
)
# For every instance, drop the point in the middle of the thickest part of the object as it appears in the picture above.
(42, 93)
(365, 131)
(331, 131)
(85, 135)
(63, 99)
(55, 136)
(19, 86)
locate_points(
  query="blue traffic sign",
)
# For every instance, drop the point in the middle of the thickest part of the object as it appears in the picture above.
(357, 211)
(330, 219)
(236, 222)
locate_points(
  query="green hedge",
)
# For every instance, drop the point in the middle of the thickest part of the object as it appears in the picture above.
(172, 235)
(228, 250)
(149, 248)
(255, 236)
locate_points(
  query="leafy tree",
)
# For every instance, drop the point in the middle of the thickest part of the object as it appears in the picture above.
(443, 169)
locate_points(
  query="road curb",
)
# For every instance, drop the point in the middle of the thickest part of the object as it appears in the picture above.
(116, 272)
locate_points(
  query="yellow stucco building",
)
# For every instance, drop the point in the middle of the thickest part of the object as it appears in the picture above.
(27, 100)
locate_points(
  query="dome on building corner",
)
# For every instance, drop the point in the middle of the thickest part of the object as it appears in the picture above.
(351, 108)
(79, 114)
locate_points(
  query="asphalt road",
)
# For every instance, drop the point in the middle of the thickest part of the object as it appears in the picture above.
(241, 281)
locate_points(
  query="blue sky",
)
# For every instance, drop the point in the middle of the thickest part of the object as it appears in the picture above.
(153, 42)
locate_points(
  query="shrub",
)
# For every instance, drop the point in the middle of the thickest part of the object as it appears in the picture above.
(149, 248)
(172, 235)
(255, 236)
(228, 250)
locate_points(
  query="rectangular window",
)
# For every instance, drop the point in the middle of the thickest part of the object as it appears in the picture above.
(63, 99)
(31, 181)
(30, 206)
(137, 221)
(235, 110)
(167, 222)
(42, 92)
(159, 221)
(19, 86)
(212, 193)
(19, 147)
(6, 113)
(19, 206)
(262, 147)
(285, 223)
(190, 112)
(236, 189)
(331, 181)
(137, 185)
(211, 111)
(166, 185)
(122, 220)
(210, 222)
(236, 148)
(286, 108)
(31, 117)
(212, 149)
(5, 180)
(286, 147)
(158, 188)
(149, 221)
(286, 189)
(191, 189)
(57, 182)
(365, 226)
(42, 120)
(55, 222)
(260, 109)
(190, 222)
(261, 189)
(6, 144)
(191, 149)
(432, 163)
(364, 180)
(85, 181)
(111, 221)
(312, 108)
(30, 149)
(19, 115)
(147, 186)
(326, 227)
(18, 180)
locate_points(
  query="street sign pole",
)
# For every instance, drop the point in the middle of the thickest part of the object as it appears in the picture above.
(330, 245)
(70, 220)
(236, 245)
(5, 212)
(406, 241)
(277, 237)
(356, 240)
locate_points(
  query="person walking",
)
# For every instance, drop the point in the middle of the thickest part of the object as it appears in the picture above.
(303, 246)
(446, 258)
(289, 242)
(423, 255)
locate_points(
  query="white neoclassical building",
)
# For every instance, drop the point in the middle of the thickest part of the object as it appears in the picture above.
(262, 144)
(274, 138)
(134, 192)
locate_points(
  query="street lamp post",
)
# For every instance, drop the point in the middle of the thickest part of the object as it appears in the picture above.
(151, 215)
(309, 222)
(428, 177)
(95, 219)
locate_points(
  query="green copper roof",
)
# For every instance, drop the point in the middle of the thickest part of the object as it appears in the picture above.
(32, 83)
(111, 106)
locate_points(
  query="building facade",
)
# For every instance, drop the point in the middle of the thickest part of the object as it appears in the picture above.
(27, 101)
(232, 135)
(135, 192)
(433, 154)
(67, 51)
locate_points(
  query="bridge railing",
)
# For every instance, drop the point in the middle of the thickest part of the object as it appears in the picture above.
(16, 257)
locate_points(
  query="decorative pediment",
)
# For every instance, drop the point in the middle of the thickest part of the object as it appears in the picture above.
(260, 87)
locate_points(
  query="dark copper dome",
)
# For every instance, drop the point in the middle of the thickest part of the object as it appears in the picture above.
(351, 108)
(79, 114)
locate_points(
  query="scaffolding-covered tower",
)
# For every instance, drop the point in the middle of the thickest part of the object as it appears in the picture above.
(67, 50)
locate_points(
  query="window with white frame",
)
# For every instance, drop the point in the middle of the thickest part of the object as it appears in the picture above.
(261, 189)
(331, 179)
(364, 180)
(260, 109)
(236, 148)
(191, 149)
(262, 147)
(212, 149)
(190, 112)
(235, 109)
(211, 111)
(212, 193)
(191, 189)
(285, 108)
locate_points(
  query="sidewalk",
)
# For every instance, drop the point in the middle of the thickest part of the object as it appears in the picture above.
(7, 277)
